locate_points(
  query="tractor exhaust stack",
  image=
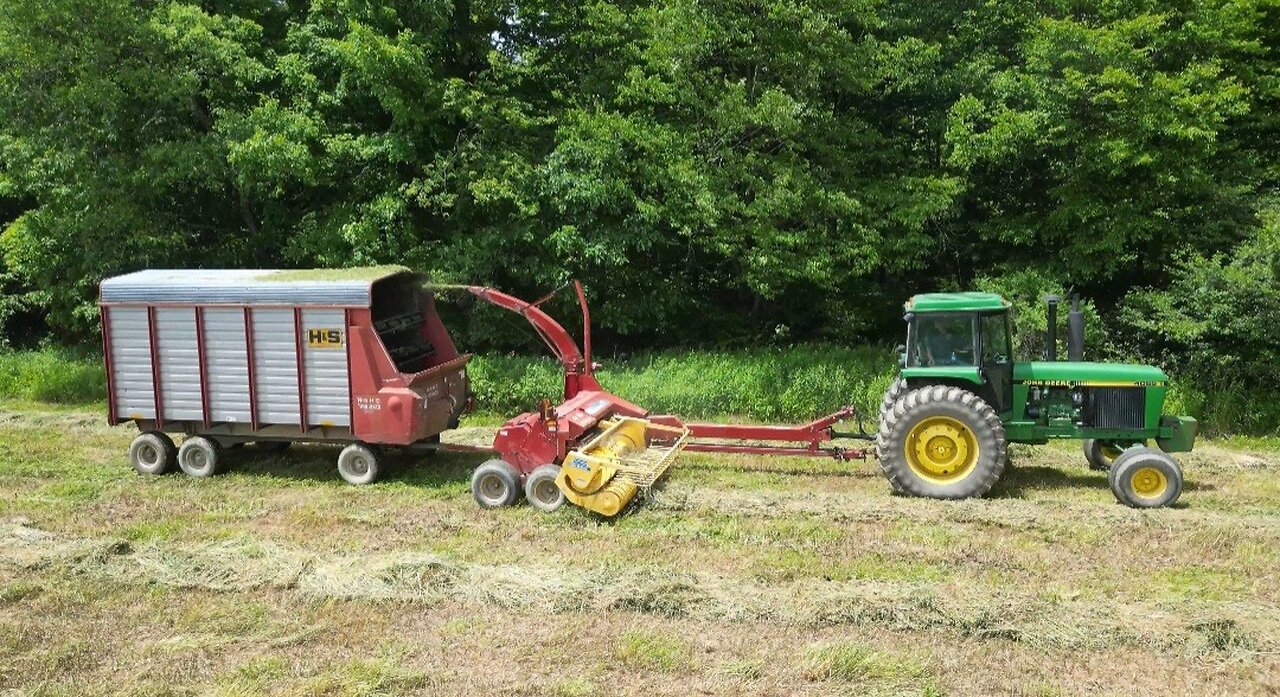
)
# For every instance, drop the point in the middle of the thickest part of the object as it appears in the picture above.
(1051, 328)
(1075, 330)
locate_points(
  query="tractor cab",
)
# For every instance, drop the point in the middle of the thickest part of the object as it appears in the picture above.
(962, 339)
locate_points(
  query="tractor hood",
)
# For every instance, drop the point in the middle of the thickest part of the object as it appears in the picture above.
(1083, 373)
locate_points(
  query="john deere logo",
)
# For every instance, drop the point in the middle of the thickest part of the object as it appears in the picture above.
(324, 338)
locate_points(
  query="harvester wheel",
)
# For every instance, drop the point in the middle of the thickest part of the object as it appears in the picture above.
(541, 491)
(359, 464)
(495, 483)
(152, 452)
(1101, 454)
(198, 456)
(1146, 478)
(942, 442)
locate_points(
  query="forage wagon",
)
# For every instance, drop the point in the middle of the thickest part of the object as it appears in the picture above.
(224, 357)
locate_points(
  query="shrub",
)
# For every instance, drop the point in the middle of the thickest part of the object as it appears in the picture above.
(51, 375)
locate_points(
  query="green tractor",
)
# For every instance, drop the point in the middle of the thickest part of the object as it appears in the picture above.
(961, 398)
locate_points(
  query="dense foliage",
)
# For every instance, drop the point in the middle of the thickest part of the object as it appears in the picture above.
(718, 171)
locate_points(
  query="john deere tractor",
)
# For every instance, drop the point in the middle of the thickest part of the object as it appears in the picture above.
(961, 398)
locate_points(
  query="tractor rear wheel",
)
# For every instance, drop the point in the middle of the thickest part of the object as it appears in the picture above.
(152, 452)
(1101, 454)
(199, 456)
(891, 396)
(541, 490)
(495, 483)
(942, 442)
(1145, 478)
(359, 464)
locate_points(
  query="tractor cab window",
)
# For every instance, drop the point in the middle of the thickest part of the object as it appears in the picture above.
(944, 340)
(995, 339)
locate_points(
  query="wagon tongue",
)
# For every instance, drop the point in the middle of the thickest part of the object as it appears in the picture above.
(627, 457)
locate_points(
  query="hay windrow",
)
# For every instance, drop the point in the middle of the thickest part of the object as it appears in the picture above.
(425, 579)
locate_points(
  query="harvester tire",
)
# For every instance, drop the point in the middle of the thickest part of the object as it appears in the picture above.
(359, 464)
(152, 452)
(541, 490)
(199, 457)
(1101, 454)
(1145, 478)
(942, 442)
(496, 483)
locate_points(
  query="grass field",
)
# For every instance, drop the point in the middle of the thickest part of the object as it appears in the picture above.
(744, 575)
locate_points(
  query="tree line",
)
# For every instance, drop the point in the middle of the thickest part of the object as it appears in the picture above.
(717, 171)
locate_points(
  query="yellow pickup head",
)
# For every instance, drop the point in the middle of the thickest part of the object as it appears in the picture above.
(627, 456)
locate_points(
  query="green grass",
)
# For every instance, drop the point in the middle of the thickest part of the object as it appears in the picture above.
(51, 375)
(794, 383)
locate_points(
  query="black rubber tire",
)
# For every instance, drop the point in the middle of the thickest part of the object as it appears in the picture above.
(896, 390)
(1129, 468)
(496, 483)
(1096, 457)
(152, 453)
(359, 464)
(940, 400)
(200, 457)
(541, 491)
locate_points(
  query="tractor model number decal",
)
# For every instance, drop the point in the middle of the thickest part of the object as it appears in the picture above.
(368, 404)
(580, 464)
(324, 338)
(1092, 383)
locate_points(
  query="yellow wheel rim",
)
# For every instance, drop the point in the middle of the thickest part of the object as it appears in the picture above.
(1111, 452)
(1149, 483)
(941, 449)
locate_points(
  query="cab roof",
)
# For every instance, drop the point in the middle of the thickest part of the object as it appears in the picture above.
(956, 302)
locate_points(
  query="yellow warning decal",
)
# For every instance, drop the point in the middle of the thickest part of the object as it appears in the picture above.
(324, 338)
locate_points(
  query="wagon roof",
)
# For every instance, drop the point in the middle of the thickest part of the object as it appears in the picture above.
(293, 287)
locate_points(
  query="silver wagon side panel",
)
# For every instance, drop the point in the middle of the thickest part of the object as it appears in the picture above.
(179, 364)
(275, 366)
(131, 363)
(325, 367)
(226, 365)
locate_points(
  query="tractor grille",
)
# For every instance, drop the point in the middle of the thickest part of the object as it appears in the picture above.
(1118, 407)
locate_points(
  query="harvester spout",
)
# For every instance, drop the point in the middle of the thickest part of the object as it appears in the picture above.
(577, 368)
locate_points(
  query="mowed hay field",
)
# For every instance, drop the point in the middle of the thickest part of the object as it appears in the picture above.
(743, 575)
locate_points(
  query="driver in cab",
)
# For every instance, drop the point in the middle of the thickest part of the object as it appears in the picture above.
(946, 341)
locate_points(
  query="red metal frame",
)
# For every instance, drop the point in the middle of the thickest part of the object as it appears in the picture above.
(253, 372)
(112, 416)
(156, 396)
(204, 371)
(534, 439)
(302, 369)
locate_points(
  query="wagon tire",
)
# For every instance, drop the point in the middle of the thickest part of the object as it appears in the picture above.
(152, 453)
(359, 464)
(942, 442)
(199, 457)
(494, 484)
(541, 490)
(1146, 478)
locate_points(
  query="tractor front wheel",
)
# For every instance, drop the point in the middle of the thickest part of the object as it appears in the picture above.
(1101, 454)
(1145, 478)
(941, 442)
